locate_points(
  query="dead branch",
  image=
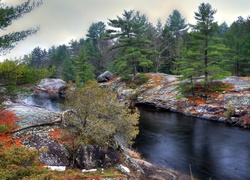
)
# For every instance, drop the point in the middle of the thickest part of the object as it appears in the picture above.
(57, 120)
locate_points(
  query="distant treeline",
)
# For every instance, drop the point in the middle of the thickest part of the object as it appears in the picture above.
(131, 44)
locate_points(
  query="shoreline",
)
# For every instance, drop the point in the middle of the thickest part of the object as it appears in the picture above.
(229, 104)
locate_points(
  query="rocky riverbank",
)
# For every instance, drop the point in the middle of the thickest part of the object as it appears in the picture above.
(229, 102)
(38, 125)
(37, 128)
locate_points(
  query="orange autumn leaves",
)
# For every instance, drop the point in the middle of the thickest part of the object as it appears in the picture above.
(63, 137)
(7, 118)
(7, 123)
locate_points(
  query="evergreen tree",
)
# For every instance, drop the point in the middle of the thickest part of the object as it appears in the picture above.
(96, 31)
(97, 46)
(208, 44)
(154, 34)
(76, 46)
(95, 57)
(57, 57)
(222, 29)
(84, 70)
(246, 50)
(39, 58)
(130, 30)
(176, 23)
(69, 73)
(7, 16)
(236, 39)
(175, 28)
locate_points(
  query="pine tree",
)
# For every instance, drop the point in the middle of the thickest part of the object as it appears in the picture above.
(8, 14)
(129, 30)
(69, 73)
(187, 66)
(175, 28)
(84, 70)
(237, 39)
(205, 41)
(97, 47)
(176, 23)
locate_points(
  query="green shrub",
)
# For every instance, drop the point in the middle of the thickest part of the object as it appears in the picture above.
(229, 112)
(4, 128)
(126, 78)
(217, 86)
(18, 156)
(134, 96)
(141, 79)
(22, 163)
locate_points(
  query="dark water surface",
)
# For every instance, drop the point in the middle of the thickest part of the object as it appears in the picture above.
(212, 149)
(51, 102)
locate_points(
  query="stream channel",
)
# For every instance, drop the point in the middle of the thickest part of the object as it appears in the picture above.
(211, 150)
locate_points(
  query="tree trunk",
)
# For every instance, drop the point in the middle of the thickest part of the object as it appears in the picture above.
(206, 64)
(193, 93)
(134, 69)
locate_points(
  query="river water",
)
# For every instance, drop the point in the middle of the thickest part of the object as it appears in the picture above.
(211, 149)
(171, 140)
(51, 102)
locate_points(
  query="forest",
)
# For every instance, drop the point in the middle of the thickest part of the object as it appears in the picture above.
(131, 44)
(128, 46)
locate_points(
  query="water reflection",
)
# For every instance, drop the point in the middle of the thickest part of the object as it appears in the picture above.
(213, 150)
(51, 102)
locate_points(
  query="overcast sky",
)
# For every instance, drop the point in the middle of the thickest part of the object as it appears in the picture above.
(63, 20)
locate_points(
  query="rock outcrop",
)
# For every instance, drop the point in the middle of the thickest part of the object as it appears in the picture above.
(50, 86)
(37, 124)
(34, 129)
(105, 77)
(161, 92)
(90, 157)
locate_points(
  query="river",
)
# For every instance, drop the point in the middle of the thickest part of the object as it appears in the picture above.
(51, 102)
(212, 150)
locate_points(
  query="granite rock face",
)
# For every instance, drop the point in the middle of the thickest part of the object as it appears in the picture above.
(50, 85)
(51, 152)
(31, 114)
(237, 100)
(161, 92)
(34, 128)
(90, 157)
(105, 77)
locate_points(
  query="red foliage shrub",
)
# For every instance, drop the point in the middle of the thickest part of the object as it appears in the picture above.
(7, 121)
(245, 119)
(7, 118)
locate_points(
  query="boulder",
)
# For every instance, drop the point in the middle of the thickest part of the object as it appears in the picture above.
(51, 152)
(124, 169)
(50, 85)
(34, 129)
(105, 77)
(31, 115)
(90, 157)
